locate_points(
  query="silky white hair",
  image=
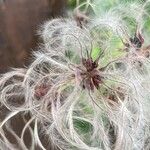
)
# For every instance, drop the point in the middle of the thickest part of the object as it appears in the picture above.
(114, 116)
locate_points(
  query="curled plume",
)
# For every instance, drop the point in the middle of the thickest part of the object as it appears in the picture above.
(88, 86)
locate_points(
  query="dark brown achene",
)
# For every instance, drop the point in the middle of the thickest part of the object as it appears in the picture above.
(90, 77)
(137, 40)
(80, 18)
(41, 90)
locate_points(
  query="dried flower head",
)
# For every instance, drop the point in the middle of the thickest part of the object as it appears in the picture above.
(83, 90)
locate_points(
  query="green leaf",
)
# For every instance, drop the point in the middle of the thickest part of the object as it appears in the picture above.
(82, 126)
(95, 53)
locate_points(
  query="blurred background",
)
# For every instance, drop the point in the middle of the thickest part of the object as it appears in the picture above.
(19, 21)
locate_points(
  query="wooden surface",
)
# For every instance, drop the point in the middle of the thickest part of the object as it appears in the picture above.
(19, 21)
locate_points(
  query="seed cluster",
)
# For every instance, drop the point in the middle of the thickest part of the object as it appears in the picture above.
(90, 77)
